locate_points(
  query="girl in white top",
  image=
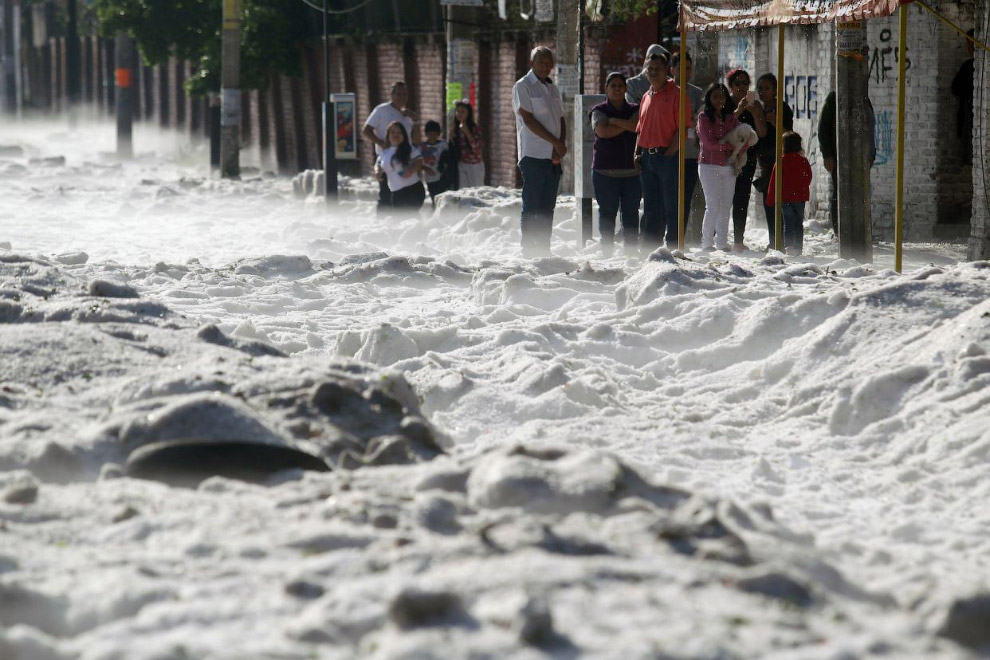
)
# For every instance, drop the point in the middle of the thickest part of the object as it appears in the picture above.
(400, 164)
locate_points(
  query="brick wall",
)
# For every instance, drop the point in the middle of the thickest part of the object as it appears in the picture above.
(594, 71)
(922, 105)
(431, 65)
(502, 170)
(364, 76)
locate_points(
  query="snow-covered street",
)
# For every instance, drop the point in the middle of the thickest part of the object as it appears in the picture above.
(680, 455)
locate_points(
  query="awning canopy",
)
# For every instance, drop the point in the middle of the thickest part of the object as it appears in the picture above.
(699, 15)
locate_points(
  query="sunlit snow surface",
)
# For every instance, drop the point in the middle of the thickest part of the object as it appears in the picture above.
(677, 456)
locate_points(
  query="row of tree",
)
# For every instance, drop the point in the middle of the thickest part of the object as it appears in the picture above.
(271, 33)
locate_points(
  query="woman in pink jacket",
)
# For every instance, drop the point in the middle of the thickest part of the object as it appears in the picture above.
(718, 178)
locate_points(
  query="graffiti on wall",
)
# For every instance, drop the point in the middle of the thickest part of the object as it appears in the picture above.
(618, 52)
(632, 63)
(734, 53)
(884, 59)
(801, 93)
(739, 52)
(885, 138)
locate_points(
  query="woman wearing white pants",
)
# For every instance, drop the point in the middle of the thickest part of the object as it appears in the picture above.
(718, 178)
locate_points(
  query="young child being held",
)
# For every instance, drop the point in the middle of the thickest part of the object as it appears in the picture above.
(795, 192)
(435, 156)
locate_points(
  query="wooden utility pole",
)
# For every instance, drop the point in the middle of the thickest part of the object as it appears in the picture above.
(124, 60)
(852, 142)
(230, 92)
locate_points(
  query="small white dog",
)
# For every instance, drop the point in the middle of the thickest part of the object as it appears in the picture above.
(742, 137)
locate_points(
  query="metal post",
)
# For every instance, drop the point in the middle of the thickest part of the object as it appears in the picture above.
(778, 209)
(329, 121)
(901, 83)
(9, 80)
(230, 93)
(681, 135)
(73, 63)
(18, 73)
(124, 55)
(587, 217)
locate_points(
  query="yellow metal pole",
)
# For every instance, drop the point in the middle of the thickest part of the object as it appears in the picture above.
(899, 194)
(778, 208)
(681, 136)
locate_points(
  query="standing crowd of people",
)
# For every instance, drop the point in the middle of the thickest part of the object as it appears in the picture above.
(635, 155)
(407, 167)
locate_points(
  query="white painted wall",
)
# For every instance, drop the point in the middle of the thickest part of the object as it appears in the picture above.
(938, 187)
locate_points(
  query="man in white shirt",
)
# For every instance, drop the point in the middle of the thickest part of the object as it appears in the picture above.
(376, 126)
(540, 144)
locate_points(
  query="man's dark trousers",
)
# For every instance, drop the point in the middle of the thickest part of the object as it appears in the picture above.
(659, 179)
(541, 178)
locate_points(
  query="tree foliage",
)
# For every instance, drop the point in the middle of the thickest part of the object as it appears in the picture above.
(626, 10)
(272, 32)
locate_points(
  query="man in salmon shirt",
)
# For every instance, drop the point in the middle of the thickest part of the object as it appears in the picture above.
(656, 150)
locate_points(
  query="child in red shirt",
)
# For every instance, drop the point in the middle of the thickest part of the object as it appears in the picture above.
(796, 191)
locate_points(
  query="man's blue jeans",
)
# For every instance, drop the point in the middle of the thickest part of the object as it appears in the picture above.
(541, 179)
(659, 179)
